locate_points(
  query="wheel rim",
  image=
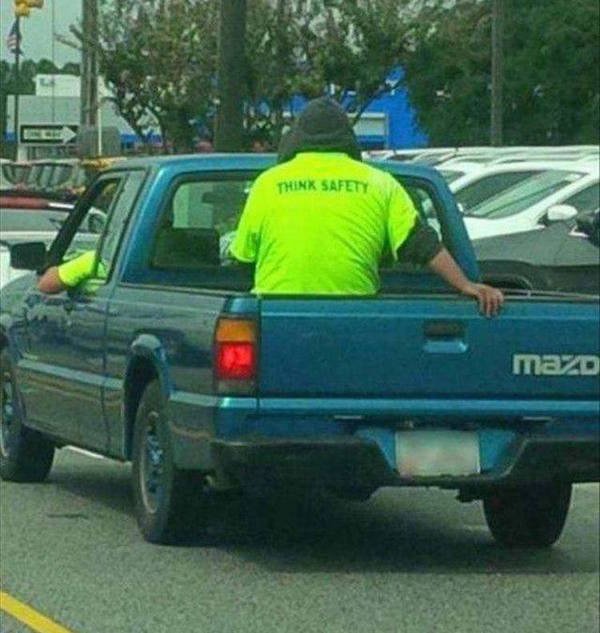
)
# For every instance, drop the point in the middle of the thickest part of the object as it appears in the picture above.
(152, 464)
(7, 415)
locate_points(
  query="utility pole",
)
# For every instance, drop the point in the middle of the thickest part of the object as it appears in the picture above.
(230, 71)
(22, 10)
(496, 128)
(89, 63)
(17, 85)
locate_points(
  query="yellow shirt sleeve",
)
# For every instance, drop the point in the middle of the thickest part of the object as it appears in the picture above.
(402, 215)
(247, 238)
(77, 270)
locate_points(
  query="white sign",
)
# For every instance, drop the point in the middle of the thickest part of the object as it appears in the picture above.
(48, 134)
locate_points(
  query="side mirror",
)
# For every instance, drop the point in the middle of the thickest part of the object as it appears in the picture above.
(96, 220)
(561, 212)
(28, 256)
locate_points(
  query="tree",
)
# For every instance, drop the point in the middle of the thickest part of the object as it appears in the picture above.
(364, 41)
(551, 72)
(448, 73)
(159, 58)
(553, 79)
(71, 68)
(46, 67)
(307, 47)
(10, 86)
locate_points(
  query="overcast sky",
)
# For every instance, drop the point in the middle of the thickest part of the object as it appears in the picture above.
(37, 30)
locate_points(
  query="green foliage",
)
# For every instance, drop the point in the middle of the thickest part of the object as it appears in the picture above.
(551, 72)
(552, 77)
(308, 46)
(25, 84)
(159, 58)
(46, 67)
(366, 40)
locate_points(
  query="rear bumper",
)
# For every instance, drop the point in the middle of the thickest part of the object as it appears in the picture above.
(336, 462)
(354, 463)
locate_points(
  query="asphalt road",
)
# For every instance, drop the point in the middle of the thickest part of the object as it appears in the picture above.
(406, 561)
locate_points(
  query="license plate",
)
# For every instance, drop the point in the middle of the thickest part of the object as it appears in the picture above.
(435, 453)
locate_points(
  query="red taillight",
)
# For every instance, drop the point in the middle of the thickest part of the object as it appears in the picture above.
(236, 361)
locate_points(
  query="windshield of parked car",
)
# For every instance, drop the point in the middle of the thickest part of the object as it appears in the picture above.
(523, 195)
(490, 185)
(451, 175)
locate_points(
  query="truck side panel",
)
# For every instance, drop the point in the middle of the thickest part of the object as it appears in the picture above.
(179, 324)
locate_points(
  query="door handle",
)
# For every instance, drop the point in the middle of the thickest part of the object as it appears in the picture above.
(445, 337)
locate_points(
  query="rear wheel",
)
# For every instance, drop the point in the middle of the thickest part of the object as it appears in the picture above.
(528, 516)
(169, 502)
(25, 454)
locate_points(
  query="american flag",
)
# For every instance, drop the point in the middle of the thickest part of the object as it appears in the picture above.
(13, 39)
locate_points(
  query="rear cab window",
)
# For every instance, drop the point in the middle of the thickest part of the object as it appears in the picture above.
(197, 224)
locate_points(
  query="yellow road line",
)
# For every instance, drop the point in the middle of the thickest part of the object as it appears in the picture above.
(28, 616)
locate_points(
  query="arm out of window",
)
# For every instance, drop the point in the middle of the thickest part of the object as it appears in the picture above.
(50, 283)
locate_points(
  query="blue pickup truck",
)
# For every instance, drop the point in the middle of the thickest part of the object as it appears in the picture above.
(168, 360)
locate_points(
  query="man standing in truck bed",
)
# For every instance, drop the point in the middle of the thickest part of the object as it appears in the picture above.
(320, 222)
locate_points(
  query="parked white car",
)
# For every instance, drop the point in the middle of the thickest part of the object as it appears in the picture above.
(478, 185)
(551, 196)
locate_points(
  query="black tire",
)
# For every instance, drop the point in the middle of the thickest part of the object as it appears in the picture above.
(532, 516)
(25, 454)
(169, 502)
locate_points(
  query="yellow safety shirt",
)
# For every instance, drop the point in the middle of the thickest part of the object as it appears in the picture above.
(82, 270)
(320, 223)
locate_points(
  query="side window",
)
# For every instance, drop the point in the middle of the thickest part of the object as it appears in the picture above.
(118, 219)
(423, 201)
(586, 201)
(93, 219)
(198, 223)
(406, 277)
(81, 234)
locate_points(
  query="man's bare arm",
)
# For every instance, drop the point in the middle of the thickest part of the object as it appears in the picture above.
(50, 283)
(423, 248)
(490, 299)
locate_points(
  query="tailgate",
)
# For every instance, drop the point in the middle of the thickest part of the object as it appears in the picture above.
(432, 349)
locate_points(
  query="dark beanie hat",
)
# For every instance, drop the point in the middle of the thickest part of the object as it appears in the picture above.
(323, 126)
